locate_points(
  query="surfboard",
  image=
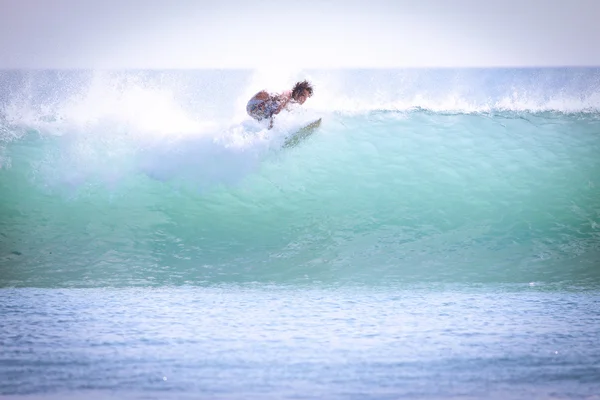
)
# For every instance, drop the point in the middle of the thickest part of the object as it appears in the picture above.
(302, 134)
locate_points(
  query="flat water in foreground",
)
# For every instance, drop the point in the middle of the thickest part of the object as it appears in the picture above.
(283, 342)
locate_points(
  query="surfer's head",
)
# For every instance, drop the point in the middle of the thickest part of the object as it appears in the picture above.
(302, 91)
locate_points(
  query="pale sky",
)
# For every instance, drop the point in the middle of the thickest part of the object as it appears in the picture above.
(298, 33)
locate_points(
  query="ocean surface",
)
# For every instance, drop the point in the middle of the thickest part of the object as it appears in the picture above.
(438, 236)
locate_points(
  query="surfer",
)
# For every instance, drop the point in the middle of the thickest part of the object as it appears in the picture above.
(265, 105)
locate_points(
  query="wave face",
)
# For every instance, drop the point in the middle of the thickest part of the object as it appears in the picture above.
(159, 178)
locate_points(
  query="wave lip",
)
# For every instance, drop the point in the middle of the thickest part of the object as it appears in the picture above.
(566, 90)
(166, 102)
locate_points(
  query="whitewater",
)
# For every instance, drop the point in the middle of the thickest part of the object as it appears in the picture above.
(438, 236)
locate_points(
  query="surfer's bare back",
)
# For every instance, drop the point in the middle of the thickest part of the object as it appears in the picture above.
(265, 105)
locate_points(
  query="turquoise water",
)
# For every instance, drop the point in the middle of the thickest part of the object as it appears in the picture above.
(437, 237)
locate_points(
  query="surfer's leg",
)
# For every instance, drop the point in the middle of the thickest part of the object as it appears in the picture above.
(256, 109)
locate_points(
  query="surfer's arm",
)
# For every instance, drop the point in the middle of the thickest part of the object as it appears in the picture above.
(284, 101)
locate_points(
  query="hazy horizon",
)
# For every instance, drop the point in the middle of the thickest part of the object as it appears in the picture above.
(312, 34)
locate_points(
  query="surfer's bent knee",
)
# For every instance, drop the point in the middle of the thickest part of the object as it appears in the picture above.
(259, 109)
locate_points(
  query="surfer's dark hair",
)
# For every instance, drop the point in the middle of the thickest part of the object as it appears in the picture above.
(301, 87)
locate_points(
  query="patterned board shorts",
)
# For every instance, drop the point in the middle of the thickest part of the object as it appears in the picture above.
(261, 109)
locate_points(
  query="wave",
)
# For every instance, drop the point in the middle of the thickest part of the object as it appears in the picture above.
(144, 178)
(150, 109)
(185, 101)
(369, 199)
